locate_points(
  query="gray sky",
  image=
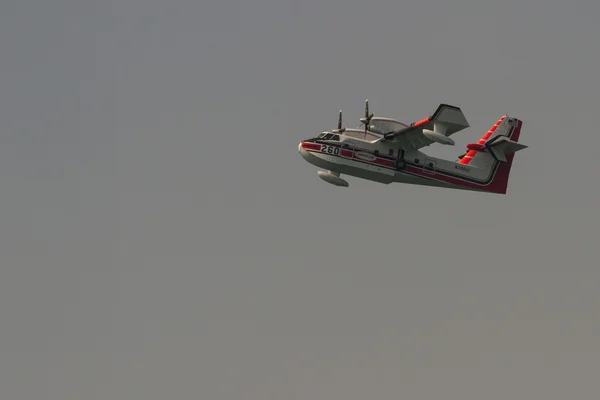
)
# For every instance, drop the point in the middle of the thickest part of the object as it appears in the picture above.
(161, 238)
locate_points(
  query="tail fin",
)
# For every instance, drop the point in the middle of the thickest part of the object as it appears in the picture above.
(496, 152)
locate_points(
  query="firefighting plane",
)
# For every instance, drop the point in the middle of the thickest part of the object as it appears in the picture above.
(387, 151)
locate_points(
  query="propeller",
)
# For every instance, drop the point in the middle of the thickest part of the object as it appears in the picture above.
(367, 118)
(339, 129)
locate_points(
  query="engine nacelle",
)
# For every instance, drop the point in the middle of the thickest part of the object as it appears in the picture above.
(438, 137)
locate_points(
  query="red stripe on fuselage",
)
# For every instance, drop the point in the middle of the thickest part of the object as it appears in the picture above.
(351, 154)
(384, 162)
(311, 146)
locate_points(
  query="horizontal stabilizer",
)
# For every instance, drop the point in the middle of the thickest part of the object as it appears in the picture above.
(500, 146)
(448, 119)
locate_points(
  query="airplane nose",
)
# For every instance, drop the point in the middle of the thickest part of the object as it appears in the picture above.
(301, 150)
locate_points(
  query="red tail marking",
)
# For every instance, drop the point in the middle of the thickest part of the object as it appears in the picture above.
(500, 182)
(471, 153)
(467, 159)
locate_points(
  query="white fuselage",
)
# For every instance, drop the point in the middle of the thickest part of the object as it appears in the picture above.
(384, 162)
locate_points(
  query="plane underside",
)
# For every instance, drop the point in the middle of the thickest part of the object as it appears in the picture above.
(379, 169)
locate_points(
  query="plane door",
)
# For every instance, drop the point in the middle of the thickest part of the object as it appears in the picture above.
(400, 160)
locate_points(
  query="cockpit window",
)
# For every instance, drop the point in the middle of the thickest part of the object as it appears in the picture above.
(328, 136)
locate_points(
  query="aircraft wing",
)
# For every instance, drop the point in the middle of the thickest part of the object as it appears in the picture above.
(446, 120)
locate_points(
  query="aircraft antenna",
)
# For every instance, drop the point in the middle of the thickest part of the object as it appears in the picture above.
(339, 129)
